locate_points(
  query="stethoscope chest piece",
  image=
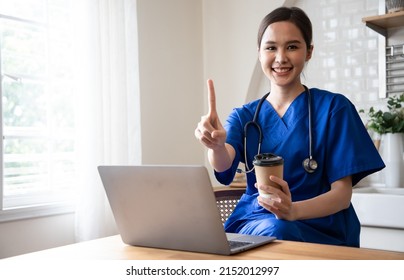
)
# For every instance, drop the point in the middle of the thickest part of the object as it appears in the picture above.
(310, 165)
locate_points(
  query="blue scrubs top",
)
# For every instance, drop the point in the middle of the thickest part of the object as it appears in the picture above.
(341, 146)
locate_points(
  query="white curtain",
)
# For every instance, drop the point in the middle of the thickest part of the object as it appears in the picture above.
(107, 98)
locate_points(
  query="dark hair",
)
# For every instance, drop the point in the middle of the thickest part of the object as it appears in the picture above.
(294, 15)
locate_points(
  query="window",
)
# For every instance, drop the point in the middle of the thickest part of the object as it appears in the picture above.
(37, 103)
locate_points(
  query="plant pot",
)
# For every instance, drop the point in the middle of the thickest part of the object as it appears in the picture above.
(393, 6)
(393, 158)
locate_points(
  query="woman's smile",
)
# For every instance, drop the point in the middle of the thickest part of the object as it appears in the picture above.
(282, 70)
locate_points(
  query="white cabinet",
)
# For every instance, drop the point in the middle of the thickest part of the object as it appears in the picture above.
(381, 213)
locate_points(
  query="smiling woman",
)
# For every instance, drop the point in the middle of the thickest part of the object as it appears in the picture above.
(313, 204)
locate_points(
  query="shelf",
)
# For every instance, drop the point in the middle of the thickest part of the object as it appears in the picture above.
(381, 23)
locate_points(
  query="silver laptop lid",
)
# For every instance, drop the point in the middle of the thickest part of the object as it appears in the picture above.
(170, 207)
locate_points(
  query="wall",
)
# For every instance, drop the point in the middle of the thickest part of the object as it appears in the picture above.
(345, 56)
(171, 80)
(24, 236)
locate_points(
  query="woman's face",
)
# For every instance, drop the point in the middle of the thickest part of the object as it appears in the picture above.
(283, 53)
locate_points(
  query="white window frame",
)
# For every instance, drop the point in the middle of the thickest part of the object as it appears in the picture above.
(40, 205)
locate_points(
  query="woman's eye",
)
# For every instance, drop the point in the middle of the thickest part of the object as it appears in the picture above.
(292, 47)
(270, 48)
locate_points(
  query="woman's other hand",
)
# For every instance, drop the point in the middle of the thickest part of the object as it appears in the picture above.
(280, 200)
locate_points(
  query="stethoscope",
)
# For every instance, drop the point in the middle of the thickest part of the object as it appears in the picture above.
(309, 164)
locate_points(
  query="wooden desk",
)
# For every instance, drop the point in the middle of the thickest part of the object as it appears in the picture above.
(112, 248)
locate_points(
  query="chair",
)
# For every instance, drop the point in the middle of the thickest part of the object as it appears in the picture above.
(227, 199)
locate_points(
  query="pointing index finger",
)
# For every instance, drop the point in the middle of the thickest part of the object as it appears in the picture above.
(211, 98)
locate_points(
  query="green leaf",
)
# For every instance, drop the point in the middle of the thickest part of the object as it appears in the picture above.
(389, 121)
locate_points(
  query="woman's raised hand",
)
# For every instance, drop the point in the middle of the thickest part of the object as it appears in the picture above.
(209, 130)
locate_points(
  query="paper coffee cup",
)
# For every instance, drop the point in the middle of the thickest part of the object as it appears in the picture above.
(266, 165)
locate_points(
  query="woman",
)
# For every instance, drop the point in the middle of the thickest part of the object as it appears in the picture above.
(310, 206)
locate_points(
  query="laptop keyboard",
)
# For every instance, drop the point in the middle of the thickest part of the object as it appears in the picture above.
(236, 244)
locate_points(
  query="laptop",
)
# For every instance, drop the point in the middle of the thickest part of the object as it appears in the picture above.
(170, 207)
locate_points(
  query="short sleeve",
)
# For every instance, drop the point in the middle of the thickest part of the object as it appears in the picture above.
(350, 150)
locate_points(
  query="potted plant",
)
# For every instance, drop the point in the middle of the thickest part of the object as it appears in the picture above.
(391, 121)
(390, 125)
